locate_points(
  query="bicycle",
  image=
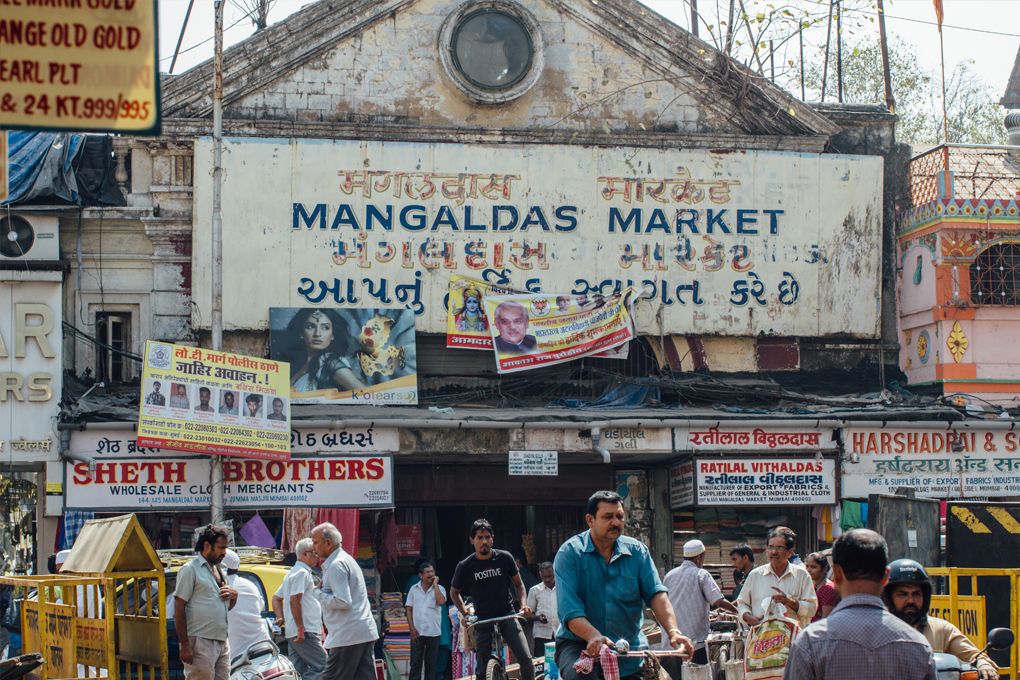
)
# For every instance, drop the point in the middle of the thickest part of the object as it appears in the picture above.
(724, 645)
(621, 648)
(494, 668)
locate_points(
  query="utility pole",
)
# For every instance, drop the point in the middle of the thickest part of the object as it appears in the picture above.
(694, 17)
(890, 101)
(800, 36)
(825, 63)
(839, 50)
(216, 464)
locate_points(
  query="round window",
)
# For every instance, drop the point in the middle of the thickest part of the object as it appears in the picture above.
(492, 50)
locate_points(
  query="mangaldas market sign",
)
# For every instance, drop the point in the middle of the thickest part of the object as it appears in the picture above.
(183, 483)
(765, 481)
(936, 463)
(719, 243)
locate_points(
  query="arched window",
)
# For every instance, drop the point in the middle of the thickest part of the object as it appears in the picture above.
(995, 276)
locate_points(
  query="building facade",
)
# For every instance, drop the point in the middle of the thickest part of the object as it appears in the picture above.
(372, 150)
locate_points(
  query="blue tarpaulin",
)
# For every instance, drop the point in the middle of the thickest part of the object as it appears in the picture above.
(621, 396)
(60, 167)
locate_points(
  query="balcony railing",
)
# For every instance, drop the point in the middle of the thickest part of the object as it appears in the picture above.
(976, 172)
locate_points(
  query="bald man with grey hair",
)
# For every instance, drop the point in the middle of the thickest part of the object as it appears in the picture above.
(350, 628)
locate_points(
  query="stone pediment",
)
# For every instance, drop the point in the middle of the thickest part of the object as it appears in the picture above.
(608, 67)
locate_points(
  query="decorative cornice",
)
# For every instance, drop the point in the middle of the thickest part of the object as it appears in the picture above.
(183, 130)
(961, 212)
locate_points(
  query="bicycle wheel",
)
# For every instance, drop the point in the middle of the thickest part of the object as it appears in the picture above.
(494, 670)
(720, 665)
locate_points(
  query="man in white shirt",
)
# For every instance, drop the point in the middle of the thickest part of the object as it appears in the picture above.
(424, 605)
(350, 628)
(245, 625)
(694, 593)
(300, 613)
(779, 582)
(542, 601)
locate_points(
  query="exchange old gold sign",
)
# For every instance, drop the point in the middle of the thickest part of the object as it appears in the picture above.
(79, 65)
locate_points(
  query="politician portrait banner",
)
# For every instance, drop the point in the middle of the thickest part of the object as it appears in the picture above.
(529, 331)
(346, 356)
(205, 401)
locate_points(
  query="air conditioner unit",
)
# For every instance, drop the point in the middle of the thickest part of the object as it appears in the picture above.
(28, 237)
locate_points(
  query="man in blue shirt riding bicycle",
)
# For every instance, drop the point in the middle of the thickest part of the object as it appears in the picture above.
(492, 580)
(604, 580)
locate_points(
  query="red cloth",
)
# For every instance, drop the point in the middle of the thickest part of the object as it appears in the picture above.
(297, 524)
(347, 521)
(607, 659)
(826, 597)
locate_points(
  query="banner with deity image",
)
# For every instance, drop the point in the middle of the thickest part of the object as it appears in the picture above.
(529, 331)
(467, 324)
(203, 401)
(346, 356)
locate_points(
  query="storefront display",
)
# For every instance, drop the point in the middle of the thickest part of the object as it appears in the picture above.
(737, 482)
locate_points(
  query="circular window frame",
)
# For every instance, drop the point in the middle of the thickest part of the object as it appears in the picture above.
(477, 92)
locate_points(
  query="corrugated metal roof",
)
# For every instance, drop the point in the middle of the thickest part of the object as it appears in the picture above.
(114, 544)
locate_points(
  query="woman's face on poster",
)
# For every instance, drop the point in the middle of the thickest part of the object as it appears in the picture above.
(317, 332)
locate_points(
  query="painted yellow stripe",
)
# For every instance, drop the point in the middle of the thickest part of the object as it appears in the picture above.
(1005, 519)
(970, 520)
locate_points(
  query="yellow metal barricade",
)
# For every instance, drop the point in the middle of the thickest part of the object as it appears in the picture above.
(103, 615)
(967, 612)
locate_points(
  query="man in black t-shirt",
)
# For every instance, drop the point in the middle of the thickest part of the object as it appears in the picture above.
(491, 578)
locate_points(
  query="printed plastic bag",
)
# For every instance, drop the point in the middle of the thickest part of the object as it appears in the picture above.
(768, 648)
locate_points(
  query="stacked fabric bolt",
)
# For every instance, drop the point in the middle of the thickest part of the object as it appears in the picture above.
(398, 639)
(683, 520)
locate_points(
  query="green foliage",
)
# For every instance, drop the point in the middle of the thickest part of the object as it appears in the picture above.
(974, 115)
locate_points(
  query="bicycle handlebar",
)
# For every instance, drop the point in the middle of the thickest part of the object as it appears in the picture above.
(654, 652)
(497, 619)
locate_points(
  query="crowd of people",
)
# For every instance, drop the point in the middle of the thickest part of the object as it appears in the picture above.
(328, 620)
(870, 619)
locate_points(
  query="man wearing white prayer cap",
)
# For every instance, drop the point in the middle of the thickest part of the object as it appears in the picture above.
(245, 625)
(693, 592)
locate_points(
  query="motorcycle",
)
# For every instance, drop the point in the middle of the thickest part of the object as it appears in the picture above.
(19, 666)
(951, 668)
(262, 661)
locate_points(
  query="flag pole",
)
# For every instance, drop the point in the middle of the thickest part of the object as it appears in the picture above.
(945, 113)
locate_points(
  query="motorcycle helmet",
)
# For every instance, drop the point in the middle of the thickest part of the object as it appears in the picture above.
(908, 572)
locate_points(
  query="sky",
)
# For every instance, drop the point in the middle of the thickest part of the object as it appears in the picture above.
(982, 30)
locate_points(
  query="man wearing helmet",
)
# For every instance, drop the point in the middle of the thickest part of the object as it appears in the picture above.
(908, 596)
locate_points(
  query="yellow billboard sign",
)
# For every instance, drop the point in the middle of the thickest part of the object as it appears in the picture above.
(204, 401)
(971, 609)
(89, 65)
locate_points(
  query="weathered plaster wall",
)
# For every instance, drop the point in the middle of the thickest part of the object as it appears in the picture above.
(392, 72)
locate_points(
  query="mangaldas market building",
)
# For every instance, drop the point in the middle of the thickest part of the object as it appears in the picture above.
(572, 149)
